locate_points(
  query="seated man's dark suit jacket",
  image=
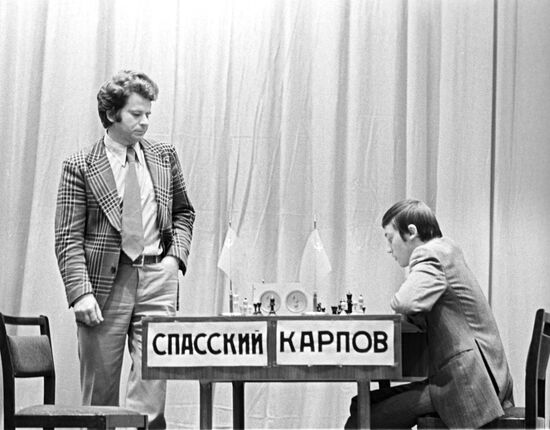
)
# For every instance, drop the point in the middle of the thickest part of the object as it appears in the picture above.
(469, 379)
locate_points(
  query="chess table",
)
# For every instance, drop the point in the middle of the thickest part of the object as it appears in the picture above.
(307, 348)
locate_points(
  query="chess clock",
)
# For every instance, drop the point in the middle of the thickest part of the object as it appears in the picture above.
(296, 301)
(290, 297)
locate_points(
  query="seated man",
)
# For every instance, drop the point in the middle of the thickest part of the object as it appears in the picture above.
(469, 381)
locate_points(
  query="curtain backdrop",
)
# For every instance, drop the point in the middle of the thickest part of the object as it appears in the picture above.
(282, 112)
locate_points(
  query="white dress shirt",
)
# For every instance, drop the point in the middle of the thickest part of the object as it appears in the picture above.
(116, 154)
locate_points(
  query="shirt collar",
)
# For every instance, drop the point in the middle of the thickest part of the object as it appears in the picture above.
(118, 150)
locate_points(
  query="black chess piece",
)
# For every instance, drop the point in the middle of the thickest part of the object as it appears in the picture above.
(257, 308)
(272, 306)
(349, 310)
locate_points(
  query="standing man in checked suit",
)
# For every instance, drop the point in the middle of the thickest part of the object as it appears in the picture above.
(123, 230)
(469, 382)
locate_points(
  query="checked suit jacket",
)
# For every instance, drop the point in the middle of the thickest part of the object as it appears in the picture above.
(88, 217)
(469, 378)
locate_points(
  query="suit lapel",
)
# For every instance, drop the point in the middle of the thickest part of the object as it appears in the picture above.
(159, 169)
(102, 184)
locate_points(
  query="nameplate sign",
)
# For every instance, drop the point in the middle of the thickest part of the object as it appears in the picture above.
(190, 344)
(271, 342)
(335, 342)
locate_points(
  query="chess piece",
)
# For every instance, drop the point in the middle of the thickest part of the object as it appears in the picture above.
(349, 302)
(361, 303)
(315, 305)
(258, 308)
(342, 307)
(272, 305)
(334, 310)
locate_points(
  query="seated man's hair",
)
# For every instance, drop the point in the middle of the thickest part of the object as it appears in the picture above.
(416, 212)
(114, 93)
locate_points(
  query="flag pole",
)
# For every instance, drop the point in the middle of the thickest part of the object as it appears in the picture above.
(230, 280)
(315, 295)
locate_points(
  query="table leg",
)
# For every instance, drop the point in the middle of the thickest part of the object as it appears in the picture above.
(363, 404)
(205, 404)
(238, 404)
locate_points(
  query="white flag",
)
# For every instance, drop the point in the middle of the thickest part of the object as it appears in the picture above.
(225, 261)
(315, 263)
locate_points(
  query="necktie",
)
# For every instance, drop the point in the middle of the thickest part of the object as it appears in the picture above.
(132, 226)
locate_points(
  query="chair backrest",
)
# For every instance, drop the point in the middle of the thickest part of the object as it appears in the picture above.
(25, 356)
(536, 368)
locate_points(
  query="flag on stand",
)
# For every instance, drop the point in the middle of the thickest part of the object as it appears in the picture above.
(315, 263)
(225, 259)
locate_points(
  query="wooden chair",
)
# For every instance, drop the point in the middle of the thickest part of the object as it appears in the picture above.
(532, 415)
(31, 356)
